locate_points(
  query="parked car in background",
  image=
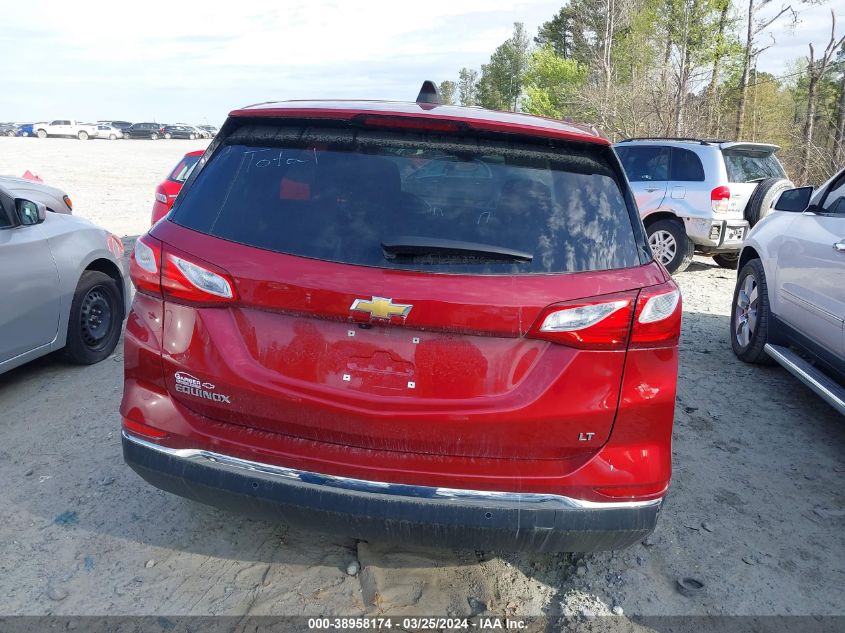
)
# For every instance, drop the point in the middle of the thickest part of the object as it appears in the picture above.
(121, 125)
(109, 132)
(328, 332)
(152, 131)
(789, 302)
(26, 129)
(8, 129)
(700, 196)
(180, 131)
(167, 191)
(64, 285)
(66, 127)
(53, 198)
(209, 129)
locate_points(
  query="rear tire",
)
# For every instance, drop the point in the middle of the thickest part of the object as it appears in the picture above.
(10, 133)
(112, 137)
(95, 320)
(670, 245)
(167, 135)
(42, 133)
(727, 260)
(82, 136)
(154, 136)
(764, 195)
(750, 315)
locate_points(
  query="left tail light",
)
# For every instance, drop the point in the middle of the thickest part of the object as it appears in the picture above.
(160, 271)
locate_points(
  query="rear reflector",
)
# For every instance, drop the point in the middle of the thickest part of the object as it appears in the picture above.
(138, 428)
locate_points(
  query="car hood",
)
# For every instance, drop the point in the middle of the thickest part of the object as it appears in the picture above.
(36, 191)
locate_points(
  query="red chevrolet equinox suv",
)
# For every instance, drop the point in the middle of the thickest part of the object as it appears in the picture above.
(407, 321)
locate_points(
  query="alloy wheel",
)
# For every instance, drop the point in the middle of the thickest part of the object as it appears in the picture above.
(746, 311)
(664, 246)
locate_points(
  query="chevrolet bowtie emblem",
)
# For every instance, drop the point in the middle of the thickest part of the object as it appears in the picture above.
(381, 308)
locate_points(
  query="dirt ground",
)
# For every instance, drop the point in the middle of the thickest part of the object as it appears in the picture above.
(756, 510)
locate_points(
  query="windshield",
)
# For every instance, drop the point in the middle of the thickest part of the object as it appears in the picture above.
(751, 166)
(362, 197)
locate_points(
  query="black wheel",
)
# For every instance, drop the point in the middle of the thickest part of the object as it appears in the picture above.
(96, 317)
(750, 314)
(760, 202)
(670, 244)
(727, 260)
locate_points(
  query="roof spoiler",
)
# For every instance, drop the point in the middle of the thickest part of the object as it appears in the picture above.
(429, 94)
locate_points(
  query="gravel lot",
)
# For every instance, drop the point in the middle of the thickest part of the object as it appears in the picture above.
(756, 510)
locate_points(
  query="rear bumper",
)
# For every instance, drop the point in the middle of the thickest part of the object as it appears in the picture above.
(442, 517)
(716, 234)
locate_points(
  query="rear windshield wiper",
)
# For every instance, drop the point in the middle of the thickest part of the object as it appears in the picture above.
(414, 246)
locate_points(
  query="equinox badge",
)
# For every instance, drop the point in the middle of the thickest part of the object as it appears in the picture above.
(381, 308)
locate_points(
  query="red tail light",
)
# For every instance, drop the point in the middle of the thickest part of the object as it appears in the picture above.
(720, 199)
(159, 271)
(602, 322)
(614, 322)
(657, 322)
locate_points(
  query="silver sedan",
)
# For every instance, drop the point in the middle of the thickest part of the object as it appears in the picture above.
(64, 285)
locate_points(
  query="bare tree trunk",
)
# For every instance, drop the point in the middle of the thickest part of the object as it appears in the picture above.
(683, 77)
(743, 81)
(713, 110)
(839, 137)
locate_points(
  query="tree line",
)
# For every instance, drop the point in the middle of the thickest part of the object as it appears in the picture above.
(680, 68)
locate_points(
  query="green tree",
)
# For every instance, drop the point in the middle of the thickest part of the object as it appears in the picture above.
(552, 83)
(447, 92)
(502, 78)
(468, 87)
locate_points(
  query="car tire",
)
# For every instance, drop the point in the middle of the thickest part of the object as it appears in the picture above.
(764, 195)
(670, 245)
(42, 133)
(192, 137)
(727, 260)
(750, 314)
(154, 136)
(167, 135)
(10, 133)
(112, 137)
(95, 320)
(82, 136)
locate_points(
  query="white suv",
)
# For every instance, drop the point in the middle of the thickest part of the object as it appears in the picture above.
(700, 196)
(789, 302)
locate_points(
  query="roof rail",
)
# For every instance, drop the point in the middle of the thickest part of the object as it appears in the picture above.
(670, 138)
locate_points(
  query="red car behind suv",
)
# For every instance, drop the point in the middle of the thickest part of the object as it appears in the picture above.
(167, 191)
(409, 320)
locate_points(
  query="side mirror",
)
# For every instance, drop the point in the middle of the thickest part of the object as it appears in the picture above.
(29, 212)
(794, 200)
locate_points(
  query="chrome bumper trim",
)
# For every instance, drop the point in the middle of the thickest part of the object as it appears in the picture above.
(454, 496)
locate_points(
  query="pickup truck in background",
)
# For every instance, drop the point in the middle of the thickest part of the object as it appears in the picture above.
(66, 127)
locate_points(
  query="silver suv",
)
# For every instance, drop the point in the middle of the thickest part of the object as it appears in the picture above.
(700, 196)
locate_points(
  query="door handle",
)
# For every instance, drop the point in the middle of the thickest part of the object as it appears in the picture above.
(839, 247)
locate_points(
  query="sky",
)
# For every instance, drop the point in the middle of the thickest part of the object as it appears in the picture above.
(195, 61)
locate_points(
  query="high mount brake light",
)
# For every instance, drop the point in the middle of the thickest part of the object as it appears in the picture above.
(410, 123)
(651, 318)
(156, 270)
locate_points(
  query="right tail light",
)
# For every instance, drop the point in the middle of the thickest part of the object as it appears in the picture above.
(650, 318)
(720, 199)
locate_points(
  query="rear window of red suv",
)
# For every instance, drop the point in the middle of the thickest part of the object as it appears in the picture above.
(414, 200)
